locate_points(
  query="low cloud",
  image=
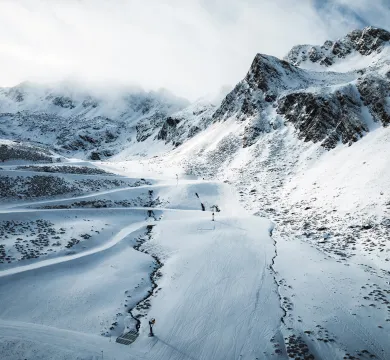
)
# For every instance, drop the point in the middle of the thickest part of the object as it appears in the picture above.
(190, 47)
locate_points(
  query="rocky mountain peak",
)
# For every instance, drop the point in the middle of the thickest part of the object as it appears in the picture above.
(268, 73)
(365, 42)
(267, 77)
(323, 106)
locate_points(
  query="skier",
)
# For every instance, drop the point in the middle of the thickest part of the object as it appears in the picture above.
(197, 195)
(177, 179)
(151, 323)
(212, 216)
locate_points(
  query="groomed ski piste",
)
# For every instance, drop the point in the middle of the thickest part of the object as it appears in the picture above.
(224, 289)
(214, 289)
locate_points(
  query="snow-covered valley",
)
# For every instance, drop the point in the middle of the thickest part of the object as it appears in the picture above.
(107, 206)
(91, 287)
(226, 289)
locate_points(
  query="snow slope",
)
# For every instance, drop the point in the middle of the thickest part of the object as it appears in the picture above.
(92, 288)
(226, 289)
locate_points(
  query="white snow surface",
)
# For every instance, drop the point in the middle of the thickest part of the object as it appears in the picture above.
(216, 284)
(227, 290)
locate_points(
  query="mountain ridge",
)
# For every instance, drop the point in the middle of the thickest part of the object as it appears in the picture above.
(366, 41)
(273, 92)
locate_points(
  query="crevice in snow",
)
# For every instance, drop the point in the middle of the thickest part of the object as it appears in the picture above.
(274, 273)
(140, 309)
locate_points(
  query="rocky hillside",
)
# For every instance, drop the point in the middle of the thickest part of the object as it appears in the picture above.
(75, 122)
(185, 124)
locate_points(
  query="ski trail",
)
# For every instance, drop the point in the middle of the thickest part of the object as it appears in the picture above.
(114, 240)
(98, 193)
(21, 211)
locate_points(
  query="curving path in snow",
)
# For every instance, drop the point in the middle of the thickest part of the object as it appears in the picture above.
(122, 234)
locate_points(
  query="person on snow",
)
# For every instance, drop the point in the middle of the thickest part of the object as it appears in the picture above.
(151, 323)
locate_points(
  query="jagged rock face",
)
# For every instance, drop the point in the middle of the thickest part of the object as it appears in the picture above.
(64, 102)
(375, 91)
(185, 124)
(269, 74)
(366, 42)
(168, 128)
(267, 77)
(327, 119)
(148, 125)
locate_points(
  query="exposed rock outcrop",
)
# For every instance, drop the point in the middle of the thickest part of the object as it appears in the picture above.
(366, 41)
(375, 91)
(185, 124)
(327, 118)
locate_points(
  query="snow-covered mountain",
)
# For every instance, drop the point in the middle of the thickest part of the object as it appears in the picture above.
(79, 123)
(274, 129)
(368, 42)
(303, 141)
(329, 94)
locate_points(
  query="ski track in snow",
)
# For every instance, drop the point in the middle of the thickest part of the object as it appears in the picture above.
(67, 258)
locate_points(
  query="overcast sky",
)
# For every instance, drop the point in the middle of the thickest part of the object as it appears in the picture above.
(190, 47)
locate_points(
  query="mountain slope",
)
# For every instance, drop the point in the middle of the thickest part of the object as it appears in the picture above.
(78, 123)
(306, 148)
